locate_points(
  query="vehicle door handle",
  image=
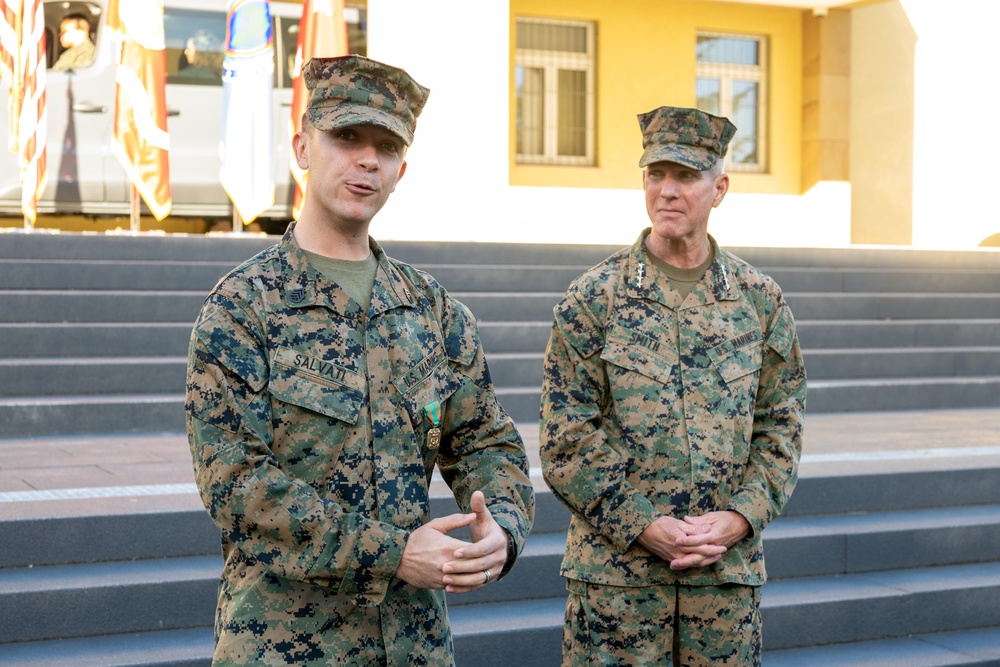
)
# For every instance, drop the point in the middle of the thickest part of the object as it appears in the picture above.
(89, 108)
(173, 112)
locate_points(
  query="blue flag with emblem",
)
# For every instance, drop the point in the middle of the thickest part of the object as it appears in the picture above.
(247, 145)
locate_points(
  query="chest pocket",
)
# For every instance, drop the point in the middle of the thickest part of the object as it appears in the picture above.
(738, 361)
(637, 378)
(738, 357)
(316, 385)
(427, 381)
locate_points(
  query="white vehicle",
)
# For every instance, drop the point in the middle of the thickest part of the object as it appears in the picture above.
(84, 177)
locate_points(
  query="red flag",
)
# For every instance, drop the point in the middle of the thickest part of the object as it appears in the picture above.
(22, 67)
(322, 33)
(140, 131)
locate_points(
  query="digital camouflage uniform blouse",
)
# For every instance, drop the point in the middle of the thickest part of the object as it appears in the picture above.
(655, 407)
(309, 438)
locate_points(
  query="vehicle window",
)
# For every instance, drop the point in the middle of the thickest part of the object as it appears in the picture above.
(71, 29)
(286, 39)
(196, 46)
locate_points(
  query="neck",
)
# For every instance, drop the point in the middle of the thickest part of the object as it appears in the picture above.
(682, 253)
(350, 243)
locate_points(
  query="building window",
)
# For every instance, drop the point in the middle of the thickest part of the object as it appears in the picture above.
(554, 80)
(732, 82)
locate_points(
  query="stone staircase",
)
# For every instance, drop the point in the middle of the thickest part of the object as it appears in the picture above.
(890, 558)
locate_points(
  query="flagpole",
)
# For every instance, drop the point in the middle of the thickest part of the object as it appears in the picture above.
(134, 215)
(237, 222)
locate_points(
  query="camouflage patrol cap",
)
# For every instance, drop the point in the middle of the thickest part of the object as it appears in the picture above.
(354, 90)
(687, 136)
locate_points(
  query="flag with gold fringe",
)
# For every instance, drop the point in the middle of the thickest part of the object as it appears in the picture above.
(140, 140)
(22, 68)
(322, 33)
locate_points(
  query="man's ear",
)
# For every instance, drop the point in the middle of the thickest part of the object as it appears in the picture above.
(300, 145)
(721, 188)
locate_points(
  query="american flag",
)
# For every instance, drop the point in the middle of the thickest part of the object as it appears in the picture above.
(22, 68)
(322, 33)
(140, 141)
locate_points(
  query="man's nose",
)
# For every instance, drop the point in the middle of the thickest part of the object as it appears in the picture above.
(668, 189)
(368, 157)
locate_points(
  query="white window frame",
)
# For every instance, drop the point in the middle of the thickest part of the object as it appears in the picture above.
(551, 62)
(726, 73)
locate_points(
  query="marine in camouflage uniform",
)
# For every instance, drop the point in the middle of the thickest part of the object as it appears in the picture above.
(659, 405)
(74, 36)
(315, 426)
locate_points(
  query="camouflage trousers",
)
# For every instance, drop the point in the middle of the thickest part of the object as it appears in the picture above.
(671, 626)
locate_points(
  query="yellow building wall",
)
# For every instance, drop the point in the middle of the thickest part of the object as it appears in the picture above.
(883, 45)
(645, 59)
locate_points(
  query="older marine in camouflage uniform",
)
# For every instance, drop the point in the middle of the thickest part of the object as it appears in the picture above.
(665, 401)
(315, 425)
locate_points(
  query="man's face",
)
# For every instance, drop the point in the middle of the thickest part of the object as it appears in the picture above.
(73, 32)
(352, 170)
(679, 199)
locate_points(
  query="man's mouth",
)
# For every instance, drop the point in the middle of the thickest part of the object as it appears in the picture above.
(361, 187)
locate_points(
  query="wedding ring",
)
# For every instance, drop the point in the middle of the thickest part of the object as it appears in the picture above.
(489, 577)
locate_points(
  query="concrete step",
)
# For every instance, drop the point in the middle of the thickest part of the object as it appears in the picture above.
(848, 363)
(167, 648)
(99, 536)
(887, 305)
(118, 274)
(100, 306)
(915, 393)
(29, 416)
(87, 339)
(142, 247)
(499, 336)
(814, 611)
(92, 375)
(957, 332)
(63, 601)
(872, 541)
(819, 279)
(882, 482)
(509, 633)
(961, 648)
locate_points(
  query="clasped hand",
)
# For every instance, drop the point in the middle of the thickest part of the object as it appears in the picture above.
(697, 541)
(434, 559)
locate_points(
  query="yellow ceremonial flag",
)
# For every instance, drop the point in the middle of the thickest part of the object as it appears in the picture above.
(140, 141)
(322, 33)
